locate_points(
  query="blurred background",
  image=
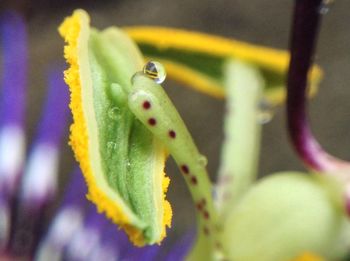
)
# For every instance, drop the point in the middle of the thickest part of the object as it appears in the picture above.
(260, 22)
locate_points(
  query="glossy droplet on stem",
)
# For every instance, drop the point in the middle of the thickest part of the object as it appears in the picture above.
(202, 160)
(324, 7)
(113, 113)
(265, 112)
(155, 71)
(219, 254)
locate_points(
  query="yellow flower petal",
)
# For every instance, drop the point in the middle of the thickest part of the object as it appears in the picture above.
(272, 60)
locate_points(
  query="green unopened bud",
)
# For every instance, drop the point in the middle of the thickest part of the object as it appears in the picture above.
(285, 215)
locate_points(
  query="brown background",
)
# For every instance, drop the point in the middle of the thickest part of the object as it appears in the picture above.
(261, 22)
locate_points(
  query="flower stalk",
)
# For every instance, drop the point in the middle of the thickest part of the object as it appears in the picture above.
(306, 22)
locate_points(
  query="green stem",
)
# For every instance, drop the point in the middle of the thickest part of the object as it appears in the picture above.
(240, 153)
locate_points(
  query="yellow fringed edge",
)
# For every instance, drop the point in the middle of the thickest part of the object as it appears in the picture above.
(79, 140)
(168, 213)
(267, 58)
(70, 30)
(308, 257)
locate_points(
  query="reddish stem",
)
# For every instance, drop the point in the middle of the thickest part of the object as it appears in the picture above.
(303, 41)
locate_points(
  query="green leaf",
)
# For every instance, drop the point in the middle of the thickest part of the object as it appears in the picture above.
(122, 162)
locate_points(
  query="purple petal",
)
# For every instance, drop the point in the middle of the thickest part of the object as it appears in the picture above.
(147, 253)
(40, 176)
(39, 183)
(74, 195)
(117, 239)
(68, 220)
(55, 112)
(65, 225)
(12, 156)
(13, 39)
(87, 237)
(112, 238)
(103, 252)
(180, 250)
(112, 242)
(14, 80)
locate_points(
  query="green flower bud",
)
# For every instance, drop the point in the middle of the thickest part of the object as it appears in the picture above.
(285, 215)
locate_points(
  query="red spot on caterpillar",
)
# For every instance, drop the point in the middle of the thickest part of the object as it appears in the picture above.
(152, 121)
(194, 180)
(185, 169)
(146, 105)
(218, 245)
(172, 134)
(201, 204)
(206, 214)
(206, 231)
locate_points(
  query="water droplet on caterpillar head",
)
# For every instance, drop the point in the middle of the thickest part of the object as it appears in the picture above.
(155, 71)
(265, 112)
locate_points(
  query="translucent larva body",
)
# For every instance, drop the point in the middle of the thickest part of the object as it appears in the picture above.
(151, 105)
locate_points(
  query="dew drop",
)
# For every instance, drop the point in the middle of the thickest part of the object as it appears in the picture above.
(219, 254)
(128, 165)
(113, 113)
(155, 71)
(202, 160)
(111, 145)
(325, 7)
(265, 112)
